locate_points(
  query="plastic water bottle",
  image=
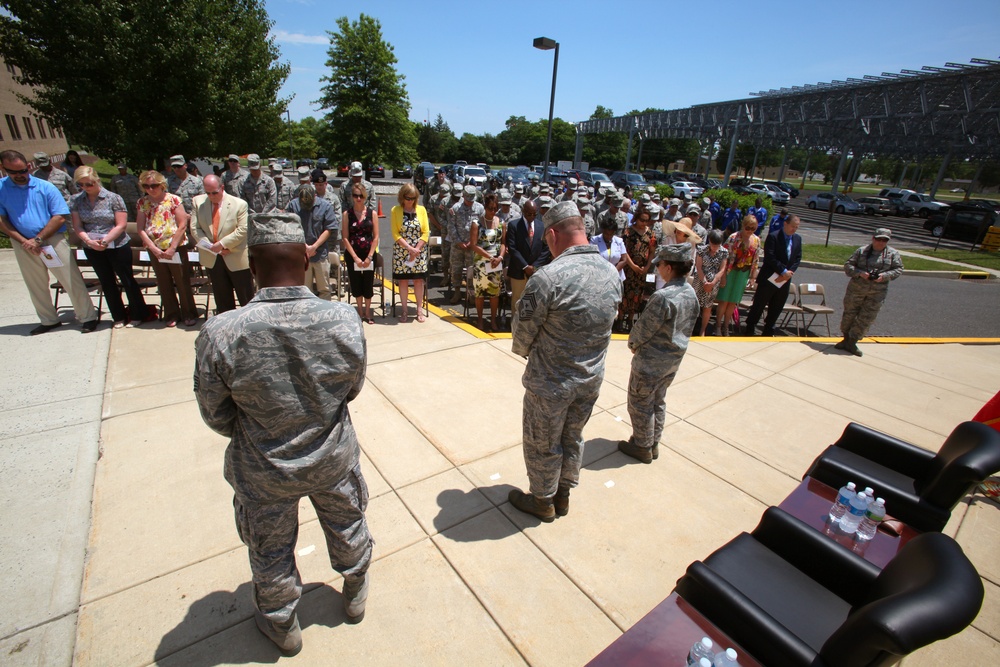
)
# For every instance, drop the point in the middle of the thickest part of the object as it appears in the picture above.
(701, 649)
(843, 500)
(726, 658)
(873, 517)
(870, 494)
(855, 513)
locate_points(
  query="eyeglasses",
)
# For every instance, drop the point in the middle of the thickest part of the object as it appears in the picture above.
(409, 198)
(16, 172)
(150, 186)
(86, 185)
(212, 192)
(357, 195)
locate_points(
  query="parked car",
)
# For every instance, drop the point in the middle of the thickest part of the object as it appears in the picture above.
(323, 163)
(961, 222)
(792, 191)
(988, 204)
(601, 170)
(686, 188)
(343, 170)
(423, 174)
(777, 195)
(514, 176)
(485, 167)
(621, 180)
(304, 162)
(375, 171)
(875, 206)
(471, 175)
(843, 203)
(461, 163)
(405, 171)
(655, 175)
(595, 179)
(556, 176)
(922, 205)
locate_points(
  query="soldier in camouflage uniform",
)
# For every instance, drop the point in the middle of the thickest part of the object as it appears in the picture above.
(57, 177)
(508, 209)
(562, 324)
(658, 341)
(184, 185)
(870, 269)
(587, 213)
(437, 216)
(614, 212)
(463, 214)
(432, 188)
(126, 186)
(275, 377)
(518, 199)
(357, 175)
(454, 197)
(233, 177)
(258, 189)
(282, 186)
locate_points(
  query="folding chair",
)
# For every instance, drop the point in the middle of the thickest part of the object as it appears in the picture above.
(435, 255)
(793, 309)
(470, 294)
(811, 291)
(90, 280)
(201, 281)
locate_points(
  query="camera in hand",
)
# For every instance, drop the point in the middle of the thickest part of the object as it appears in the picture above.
(874, 274)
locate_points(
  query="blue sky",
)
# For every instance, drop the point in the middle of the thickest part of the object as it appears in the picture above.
(473, 62)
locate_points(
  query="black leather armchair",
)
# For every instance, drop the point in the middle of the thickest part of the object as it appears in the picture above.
(792, 597)
(920, 488)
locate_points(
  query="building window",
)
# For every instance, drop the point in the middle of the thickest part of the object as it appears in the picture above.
(15, 132)
(41, 127)
(11, 69)
(27, 127)
(59, 130)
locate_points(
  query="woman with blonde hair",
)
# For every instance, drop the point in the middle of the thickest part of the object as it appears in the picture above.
(410, 232)
(744, 249)
(360, 234)
(162, 223)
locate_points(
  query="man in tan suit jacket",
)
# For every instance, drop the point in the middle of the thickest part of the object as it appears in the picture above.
(220, 221)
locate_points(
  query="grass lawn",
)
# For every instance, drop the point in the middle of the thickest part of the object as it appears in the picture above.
(989, 260)
(838, 254)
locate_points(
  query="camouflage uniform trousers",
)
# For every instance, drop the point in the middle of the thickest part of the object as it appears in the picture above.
(553, 440)
(446, 259)
(647, 406)
(270, 530)
(461, 258)
(862, 302)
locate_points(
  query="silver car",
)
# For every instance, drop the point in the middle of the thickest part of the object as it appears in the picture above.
(777, 195)
(687, 188)
(842, 203)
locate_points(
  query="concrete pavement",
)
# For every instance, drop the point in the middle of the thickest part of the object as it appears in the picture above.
(459, 577)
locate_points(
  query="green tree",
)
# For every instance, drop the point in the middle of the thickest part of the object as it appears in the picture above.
(434, 140)
(604, 149)
(304, 141)
(127, 80)
(366, 99)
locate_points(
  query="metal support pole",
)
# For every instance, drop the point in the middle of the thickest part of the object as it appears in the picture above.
(940, 174)
(291, 149)
(753, 169)
(972, 184)
(802, 185)
(784, 163)
(628, 151)
(840, 170)
(638, 160)
(578, 153)
(902, 175)
(732, 150)
(552, 106)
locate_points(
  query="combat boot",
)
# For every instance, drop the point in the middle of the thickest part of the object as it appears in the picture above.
(842, 345)
(355, 596)
(288, 639)
(656, 451)
(638, 453)
(529, 504)
(561, 501)
(852, 347)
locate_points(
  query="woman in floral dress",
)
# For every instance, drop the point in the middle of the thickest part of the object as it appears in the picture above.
(410, 232)
(487, 238)
(639, 246)
(744, 248)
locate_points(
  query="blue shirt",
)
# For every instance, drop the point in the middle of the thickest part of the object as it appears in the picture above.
(760, 214)
(29, 208)
(732, 219)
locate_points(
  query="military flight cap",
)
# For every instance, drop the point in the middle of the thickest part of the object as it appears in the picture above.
(253, 160)
(265, 228)
(233, 157)
(177, 161)
(545, 202)
(469, 192)
(693, 208)
(276, 170)
(559, 212)
(444, 188)
(675, 252)
(883, 233)
(42, 159)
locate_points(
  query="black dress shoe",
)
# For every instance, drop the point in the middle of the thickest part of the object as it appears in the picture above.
(44, 328)
(89, 326)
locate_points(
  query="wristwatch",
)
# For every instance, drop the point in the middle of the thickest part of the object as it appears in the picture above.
(39, 241)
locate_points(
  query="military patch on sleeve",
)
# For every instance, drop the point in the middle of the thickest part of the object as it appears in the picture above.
(526, 306)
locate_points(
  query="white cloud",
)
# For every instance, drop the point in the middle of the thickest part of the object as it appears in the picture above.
(298, 38)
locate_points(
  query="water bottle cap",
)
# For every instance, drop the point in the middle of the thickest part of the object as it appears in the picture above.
(861, 495)
(704, 662)
(852, 486)
(706, 642)
(880, 501)
(731, 654)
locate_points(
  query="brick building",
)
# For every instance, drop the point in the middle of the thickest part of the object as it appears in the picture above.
(21, 129)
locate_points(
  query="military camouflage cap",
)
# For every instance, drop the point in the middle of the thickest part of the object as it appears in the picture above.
(233, 157)
(177, 161)
(645, 198)
(265, 228)
(469, 192)
(444, 188)
(573, 182)
(583, 200)
(253, 160)
(882, 233)
(276, 170)
(545, 188)
(303, 174)
(650, 189)
(675, 252)
(706, 201)
(456, 191)
(42, 159)
(506, 199)
(561, 211)
(357, 169)
(544, 202)
(693, 208)
(519, 189)
(617, 200)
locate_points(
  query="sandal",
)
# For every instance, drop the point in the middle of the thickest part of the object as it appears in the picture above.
(404, 319)
(190, 322)
(421, 318)
(120, 324)
(171, 323)
(370, 321)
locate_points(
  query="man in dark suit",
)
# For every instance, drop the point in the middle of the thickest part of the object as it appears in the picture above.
(526, 249)
(782, 255)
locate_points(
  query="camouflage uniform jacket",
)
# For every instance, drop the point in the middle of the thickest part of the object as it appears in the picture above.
(620, 217)
(260, 193)
(187, 189)
(345, 194)
(127, 187)
(865, 260)
(284, 190)
(233, 183)
(275, 376)
(59, 178)
(462, 217)
(659, 338)
(562, 323)
(431, 190)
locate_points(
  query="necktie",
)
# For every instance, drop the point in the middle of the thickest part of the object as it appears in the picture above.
(531, 232)
(215, 223)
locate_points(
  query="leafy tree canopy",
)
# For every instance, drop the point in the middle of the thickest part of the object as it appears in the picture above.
(143, 79)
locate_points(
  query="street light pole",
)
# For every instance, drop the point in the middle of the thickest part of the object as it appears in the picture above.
(291, 149)
(546, 44)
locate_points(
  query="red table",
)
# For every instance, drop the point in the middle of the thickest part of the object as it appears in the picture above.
(810, 502)
(664, 636)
